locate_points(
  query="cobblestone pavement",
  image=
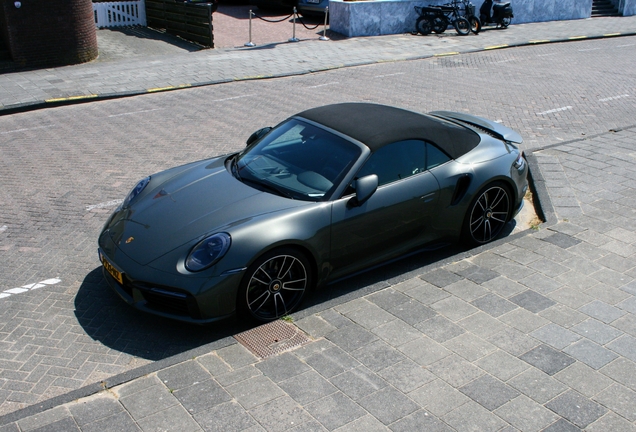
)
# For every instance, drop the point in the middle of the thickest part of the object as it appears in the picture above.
(536, 332)
(140, 75)
(231, 30)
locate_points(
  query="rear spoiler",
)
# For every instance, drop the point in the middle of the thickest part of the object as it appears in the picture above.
(494, 128)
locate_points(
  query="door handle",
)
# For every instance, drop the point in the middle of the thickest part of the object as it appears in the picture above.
(428, 197)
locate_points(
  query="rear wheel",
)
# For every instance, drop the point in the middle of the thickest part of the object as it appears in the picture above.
(440, 24)
(475, 24)
(462, 26)
(275, 284)
(505, 22)
(424, 25)
(488, 214)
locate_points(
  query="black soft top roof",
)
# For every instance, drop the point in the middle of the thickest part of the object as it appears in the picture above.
(378, 125)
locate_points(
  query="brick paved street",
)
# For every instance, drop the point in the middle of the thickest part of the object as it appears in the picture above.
(534, 333)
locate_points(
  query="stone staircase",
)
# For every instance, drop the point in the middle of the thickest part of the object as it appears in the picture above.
(601, 8)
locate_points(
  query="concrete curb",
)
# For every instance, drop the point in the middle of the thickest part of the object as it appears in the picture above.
(114, 381)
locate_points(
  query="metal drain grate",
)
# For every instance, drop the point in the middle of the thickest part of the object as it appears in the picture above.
(272, 338)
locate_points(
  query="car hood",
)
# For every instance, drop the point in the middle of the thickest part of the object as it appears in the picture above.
(201, 200)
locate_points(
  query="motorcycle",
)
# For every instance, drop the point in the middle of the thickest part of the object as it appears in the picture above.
(501, 14)
(438, 18)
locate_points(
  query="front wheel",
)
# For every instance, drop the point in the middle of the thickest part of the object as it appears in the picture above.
(487, 215)
(475, 24)
(424, 25)
(462, 26)
(274, 285)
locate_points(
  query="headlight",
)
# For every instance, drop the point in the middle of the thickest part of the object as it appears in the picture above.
(208, 252)
(135, 191)
(519, 163)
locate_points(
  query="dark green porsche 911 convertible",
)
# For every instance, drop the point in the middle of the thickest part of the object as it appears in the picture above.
(325, 194)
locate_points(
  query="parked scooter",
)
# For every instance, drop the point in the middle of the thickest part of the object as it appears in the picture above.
(501, 14)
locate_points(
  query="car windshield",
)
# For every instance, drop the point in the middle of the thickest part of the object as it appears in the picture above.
(297, 160)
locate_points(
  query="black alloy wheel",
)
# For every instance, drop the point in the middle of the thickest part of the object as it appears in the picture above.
(275, 284)
(487, 214)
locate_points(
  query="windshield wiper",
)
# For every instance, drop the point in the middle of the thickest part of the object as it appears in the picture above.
(235, 169)
(269, 187)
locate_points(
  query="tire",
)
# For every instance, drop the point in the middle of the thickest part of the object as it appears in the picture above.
(462, 26)
(424, 25)
(475, 24)
(274, 285)
(440, 24)
(487, 214)
(505, 22)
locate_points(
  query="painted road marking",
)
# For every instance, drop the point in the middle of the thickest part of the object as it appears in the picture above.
(577, 37)
(29, 287)
(555, 110)
(496, 47)
(25, 129)
(72, 98)
(158, 89)
(388, 75)
(589, 49)
(623, 46)
(232, 98)
(446, 54)
(613, 98)
(106, 204)
(253, 77)
(323, 85)
(134, 112)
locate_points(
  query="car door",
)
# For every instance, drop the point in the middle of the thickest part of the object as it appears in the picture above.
(396, 217)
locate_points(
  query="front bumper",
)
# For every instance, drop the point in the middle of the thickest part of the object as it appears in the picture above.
(192, 300)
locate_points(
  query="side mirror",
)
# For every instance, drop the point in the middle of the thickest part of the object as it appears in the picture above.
(258, 135)
(365, 187)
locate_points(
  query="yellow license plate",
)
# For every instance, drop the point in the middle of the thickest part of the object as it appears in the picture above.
(112, 270)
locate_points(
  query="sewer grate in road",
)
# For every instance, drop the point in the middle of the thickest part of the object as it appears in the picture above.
(272, 338)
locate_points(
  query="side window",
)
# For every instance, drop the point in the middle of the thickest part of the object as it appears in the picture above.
(435, 156)
(396, 161)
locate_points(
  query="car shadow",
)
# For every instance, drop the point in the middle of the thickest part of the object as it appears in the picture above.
(392, 273)
(107, 319)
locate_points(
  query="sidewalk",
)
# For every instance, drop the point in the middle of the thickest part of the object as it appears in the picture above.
(143, 74)
(534, 332)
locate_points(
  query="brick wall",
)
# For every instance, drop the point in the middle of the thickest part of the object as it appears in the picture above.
(51, 32)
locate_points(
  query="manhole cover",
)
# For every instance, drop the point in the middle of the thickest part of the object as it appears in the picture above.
(272, 338)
